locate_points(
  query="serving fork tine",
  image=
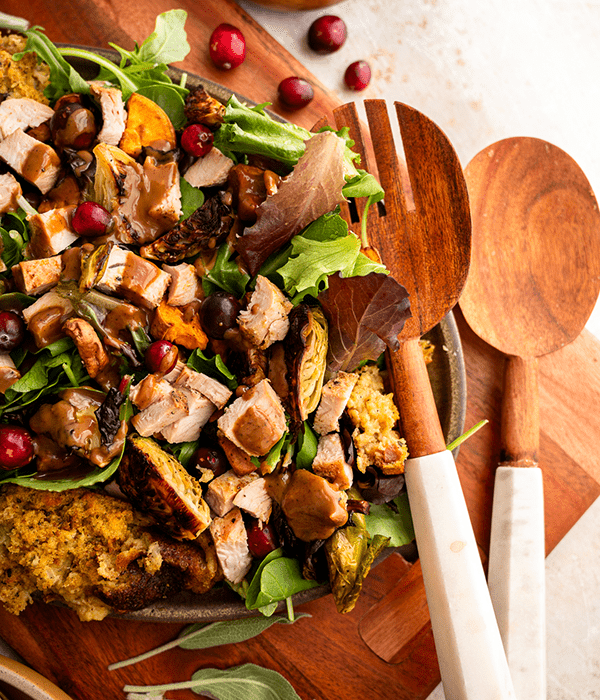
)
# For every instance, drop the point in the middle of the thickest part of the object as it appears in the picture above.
(423, 234)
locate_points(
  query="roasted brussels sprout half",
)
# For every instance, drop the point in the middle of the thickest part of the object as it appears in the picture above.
(156, 483)
(305, 358)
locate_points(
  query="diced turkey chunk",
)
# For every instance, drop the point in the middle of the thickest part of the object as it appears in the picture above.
(330, 463)
(37, 275)
(51, 232)
(334, 398)
(159, 414)
(22, 113)
(9, 373)
(216, 392)
(10, 191)
(255, 500)
(166, 208)
(224, 488)
(45, 317)
(231, 545)
(185, 284)
(150, 389)
(240, 461)
(255, 421)
(33, 160)
(265, 320)
(114, 116)
(210, 170)
(188, 428)
(138, 280)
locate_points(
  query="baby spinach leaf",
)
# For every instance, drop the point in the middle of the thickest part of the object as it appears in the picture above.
(184, 451)
(168, 98)
(192, 198)
(306, 445)
(225, 274)
(248, 681)
(167, 43)
(213, 367)
(393, 522)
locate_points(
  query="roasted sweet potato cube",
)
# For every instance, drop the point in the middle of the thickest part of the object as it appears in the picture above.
(169, 324)
(147, 124)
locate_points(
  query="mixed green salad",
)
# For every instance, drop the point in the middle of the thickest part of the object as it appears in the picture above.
(187, 321)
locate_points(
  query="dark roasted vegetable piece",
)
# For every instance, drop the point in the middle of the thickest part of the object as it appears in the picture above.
(204, 230)
(201, 108)
(378, 488)
(107, 416)
(349, 557)
(156, 483)
(305, 357)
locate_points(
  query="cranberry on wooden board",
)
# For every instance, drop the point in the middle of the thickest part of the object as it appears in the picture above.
(227, 47)
(197, 140)
(295, 92)
(358, 75)
(16, 447)
(218, 314)
(161, 356)
(12, 331)
(90, 220)
(327, 34)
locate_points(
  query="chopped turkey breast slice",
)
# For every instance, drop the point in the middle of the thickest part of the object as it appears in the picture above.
(185, 284)
(114, 116)
(334, 398)
(33, 160)
(159, 414)
(231, 545)
(210, 170)
(265, 320)
(51, 232)
(188, 428)
(10, 191)
(330, 462)
(224, 488)
(22, 113)
(37, 275)
(255, 500)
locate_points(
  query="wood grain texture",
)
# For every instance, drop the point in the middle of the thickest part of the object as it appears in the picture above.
(520, 413)
(324, 657)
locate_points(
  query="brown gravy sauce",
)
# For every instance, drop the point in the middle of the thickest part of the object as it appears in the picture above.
(39, 159)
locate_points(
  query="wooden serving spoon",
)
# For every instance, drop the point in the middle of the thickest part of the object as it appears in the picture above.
(424, 241)
(533, 282)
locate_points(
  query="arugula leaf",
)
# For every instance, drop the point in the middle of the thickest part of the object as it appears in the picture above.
(213, 367)
(248, 681)
(184, 451)
(167, 43)
(225, 274)
(63, 77)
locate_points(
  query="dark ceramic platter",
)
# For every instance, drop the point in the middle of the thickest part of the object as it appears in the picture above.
(448, 380)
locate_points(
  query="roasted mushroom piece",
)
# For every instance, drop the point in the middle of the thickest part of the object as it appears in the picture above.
(201, 108)
(156, 483)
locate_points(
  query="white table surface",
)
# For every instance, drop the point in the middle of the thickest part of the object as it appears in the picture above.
(485, 70)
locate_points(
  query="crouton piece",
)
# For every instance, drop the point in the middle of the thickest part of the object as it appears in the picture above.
(33, 160)
(223, 489)
(51, 232)
(330, 462)
(334, 397)
(147, 125)
(231, 545)
(169, 324)
(265, 320)
(209, 170)
(255, 421)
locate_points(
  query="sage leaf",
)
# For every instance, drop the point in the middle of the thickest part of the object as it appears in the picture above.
(248, 681)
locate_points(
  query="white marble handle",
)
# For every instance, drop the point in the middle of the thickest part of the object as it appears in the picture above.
(516, 576)
(472, 661)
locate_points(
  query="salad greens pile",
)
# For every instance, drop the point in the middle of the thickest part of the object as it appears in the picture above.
(316, 257)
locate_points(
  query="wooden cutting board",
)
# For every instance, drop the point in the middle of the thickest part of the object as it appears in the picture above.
(323, 657)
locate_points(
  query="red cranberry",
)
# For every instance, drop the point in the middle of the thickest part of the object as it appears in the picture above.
(327, 34)
(227, 47)
(295, 92)
(212, 458)
(124, 383)
(197, 140)
(16, 447)
(358, 75)
(261, 539)
(12, 330)
(90, 220)
(161, 356)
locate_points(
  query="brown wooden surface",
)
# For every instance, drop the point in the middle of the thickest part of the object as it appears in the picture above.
(324, 657)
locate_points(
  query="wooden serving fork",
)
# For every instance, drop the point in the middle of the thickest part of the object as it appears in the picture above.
(425, 243)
